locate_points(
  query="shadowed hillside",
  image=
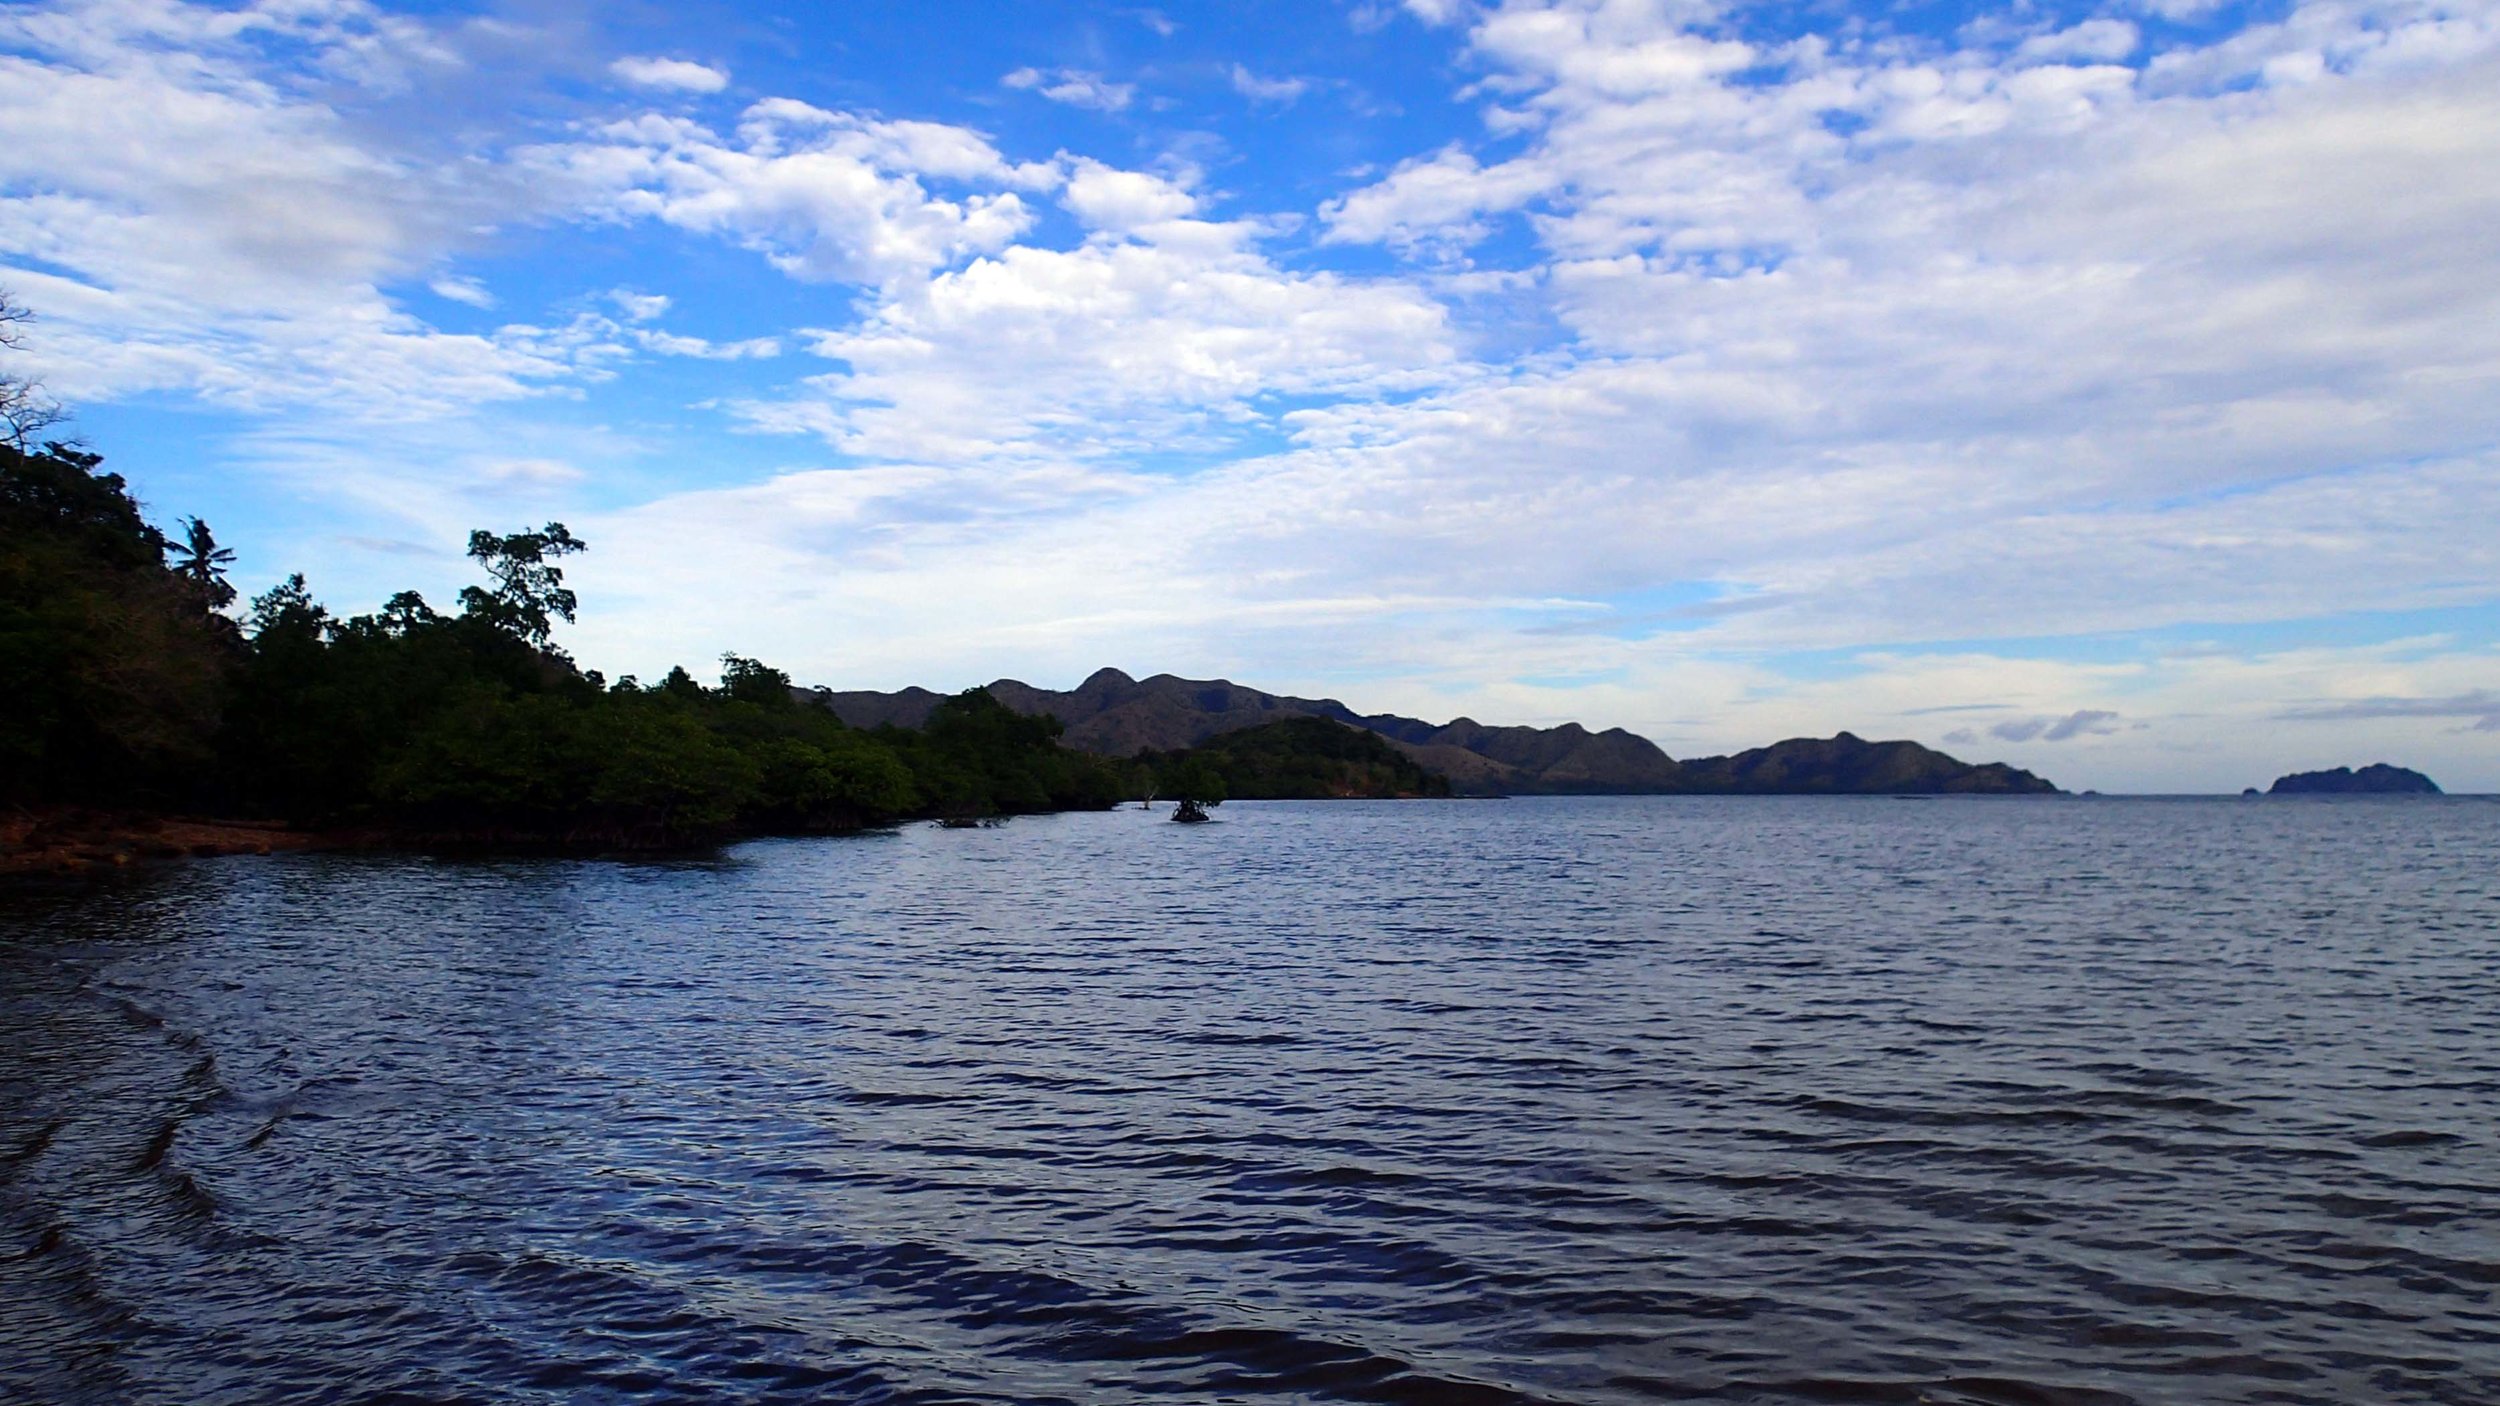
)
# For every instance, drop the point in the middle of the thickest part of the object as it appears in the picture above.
(1115, 715)
(2376, 779)
(1302, 758)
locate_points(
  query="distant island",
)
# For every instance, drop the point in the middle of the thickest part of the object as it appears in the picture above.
(2377, 779)
(1111, 714)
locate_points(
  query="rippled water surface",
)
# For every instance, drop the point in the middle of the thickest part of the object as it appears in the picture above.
(1555, 1100)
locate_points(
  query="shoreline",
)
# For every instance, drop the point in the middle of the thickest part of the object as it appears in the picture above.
(71, 841)
(76, 841)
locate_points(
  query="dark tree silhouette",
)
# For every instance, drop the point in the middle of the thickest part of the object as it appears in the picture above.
(753, 681)
(25, 411)
(528, 596)
(199, 560)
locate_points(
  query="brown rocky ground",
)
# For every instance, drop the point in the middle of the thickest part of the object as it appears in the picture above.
(77, 841)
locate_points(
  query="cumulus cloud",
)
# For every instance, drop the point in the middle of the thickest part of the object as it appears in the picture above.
(1074, 87)
(1156, 335)
(825, 195)
(2049, 328)
(1440, 199)
(680, 75)
(1121, 202)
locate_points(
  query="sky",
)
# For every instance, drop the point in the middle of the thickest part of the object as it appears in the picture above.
(2111, 389)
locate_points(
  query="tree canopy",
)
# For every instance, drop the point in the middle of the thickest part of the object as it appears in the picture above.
(125, 683)
(528, 594)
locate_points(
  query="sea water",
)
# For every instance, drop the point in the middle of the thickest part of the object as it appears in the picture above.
(1604, 1100)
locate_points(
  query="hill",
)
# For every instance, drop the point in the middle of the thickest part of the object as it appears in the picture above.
(1305, 759)
(1114, 715)
(2377, 779)
(1847, 765)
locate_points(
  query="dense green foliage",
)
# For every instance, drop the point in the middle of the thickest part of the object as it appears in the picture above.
(124, 685)
(1293, 759)
(111, 666)
(1187, 776)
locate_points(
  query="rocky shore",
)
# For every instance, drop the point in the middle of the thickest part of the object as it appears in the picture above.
(73, 841)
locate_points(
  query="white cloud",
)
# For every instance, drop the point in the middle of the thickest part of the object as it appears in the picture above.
(528, 473)
(671, 344)
(1267, 90)
(1437, 199)
(1074, 87)
(1107, 198)
(461, 289)
(1438, 11)
(189, 214)
(1965, 312)
(2106, 40)
(679, 75)
(830, 196)
(1154, 338)
(143, 175)
(639, 307)
(1615, 52)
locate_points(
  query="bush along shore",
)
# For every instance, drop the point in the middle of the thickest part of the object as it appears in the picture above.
(143, 719)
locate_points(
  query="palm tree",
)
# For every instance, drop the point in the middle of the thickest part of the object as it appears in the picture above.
(198, 559)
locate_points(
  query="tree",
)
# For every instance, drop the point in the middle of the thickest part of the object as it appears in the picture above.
(58, 492)
(199, 560)
(406, 613)
(528, 596)
(111, 677)
(287, 610)
(25, 411)
(753, 681)
(1191, 779)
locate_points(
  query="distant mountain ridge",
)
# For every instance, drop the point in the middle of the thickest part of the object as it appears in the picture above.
(1112, 714)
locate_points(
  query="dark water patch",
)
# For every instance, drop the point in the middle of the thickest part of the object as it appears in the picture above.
(2409, 1137)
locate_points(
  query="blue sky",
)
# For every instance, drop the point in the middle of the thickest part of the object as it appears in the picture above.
(2105, 388)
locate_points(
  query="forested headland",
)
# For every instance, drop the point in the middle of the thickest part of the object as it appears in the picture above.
(130, 685)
